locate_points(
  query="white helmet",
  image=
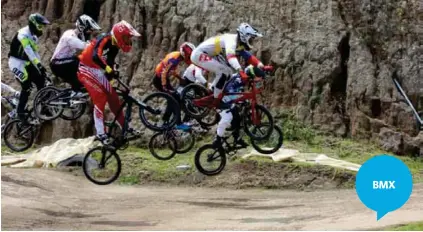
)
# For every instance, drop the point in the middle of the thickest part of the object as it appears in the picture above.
(186, 49)
(85, 23)
(246, 33)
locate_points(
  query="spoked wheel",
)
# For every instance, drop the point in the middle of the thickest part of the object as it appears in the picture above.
(47, 105)
(190, 93)
(271, 144)
(185, 141)
(211, 119)
(102, 165)
(162, 146)
(75, 111)
(209, 160)
(263, 117)
(161, 111)
(19, 136)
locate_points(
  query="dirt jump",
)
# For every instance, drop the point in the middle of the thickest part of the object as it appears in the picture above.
(39, 199)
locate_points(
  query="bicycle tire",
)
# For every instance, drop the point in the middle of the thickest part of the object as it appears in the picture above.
(38, 99)
(7, 130)
(216, 119)
(199, 166)
(186, 149)
(77, 115)
(171, 142)
(85, 165)
(188, 107)
(247, 119)
(175, 111)
(279, 143)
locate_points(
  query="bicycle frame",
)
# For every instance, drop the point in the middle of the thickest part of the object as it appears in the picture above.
(250, 95)
(128, 101)
(416, 114)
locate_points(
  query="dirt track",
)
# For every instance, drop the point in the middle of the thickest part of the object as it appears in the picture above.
(34, 199)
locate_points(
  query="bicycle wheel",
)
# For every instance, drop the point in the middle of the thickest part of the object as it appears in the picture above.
(102, 165)
(214, 160)
(46, 104)
(211, 119)
(185, 141)
(162, 147)
(190, 93)
(74, 112)
(161, 111)
(270, 145)
(263, 117)
(19, 136)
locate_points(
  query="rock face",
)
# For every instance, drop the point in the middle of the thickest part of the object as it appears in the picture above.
(334, 59)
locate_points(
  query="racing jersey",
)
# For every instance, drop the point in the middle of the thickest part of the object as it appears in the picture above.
(24, 46)
(224, 49)
(167, 66)
(194, 73)
(100, 53)
(69, 44)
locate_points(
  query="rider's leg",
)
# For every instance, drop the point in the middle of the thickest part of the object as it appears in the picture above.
(18, 68)
(89, 77)
(236, 124)
(114, 103)
(67, 70)
(212, 65)
(225, 121)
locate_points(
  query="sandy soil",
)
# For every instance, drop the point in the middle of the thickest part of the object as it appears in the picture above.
(34, 199)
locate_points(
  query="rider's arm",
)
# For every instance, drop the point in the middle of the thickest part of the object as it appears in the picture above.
(251, 59)
(98, 52)
(26, 44)
(168, 68)
(230, 48)
(76, 43)
(198, 74)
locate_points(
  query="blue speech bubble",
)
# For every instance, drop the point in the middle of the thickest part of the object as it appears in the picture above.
(384, 184)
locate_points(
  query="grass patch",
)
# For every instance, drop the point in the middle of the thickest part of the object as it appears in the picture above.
(415, 226)
(304, 138)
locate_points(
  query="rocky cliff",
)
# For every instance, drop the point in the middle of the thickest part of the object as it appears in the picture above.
(334, 59)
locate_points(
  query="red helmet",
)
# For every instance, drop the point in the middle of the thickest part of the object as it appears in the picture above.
(122, 33)
(186, 49)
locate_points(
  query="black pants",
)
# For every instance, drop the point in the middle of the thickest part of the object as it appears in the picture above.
(66, 69)
(33, 77)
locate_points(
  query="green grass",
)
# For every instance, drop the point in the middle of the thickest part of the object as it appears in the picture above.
(415, 226)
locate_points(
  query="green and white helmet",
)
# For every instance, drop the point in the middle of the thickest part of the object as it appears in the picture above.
(36, 23)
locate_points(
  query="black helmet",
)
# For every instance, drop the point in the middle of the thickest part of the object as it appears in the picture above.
(36, 23)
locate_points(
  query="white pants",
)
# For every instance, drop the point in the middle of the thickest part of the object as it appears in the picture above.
(213, 65)
(225, 121)
(18, 67)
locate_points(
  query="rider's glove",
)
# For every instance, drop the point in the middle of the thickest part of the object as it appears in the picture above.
(244, 76)
(110, 73)
(268, 68)
(42, 70)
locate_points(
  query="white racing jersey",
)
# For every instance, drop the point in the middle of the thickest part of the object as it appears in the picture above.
(68, 46)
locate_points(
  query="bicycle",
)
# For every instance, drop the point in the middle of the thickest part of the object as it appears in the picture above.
(197, 103)
(12, 103)
(25, 131)
(22, 131)
(219, 155)
(177, 141)
(121, 141)
(59, 101)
